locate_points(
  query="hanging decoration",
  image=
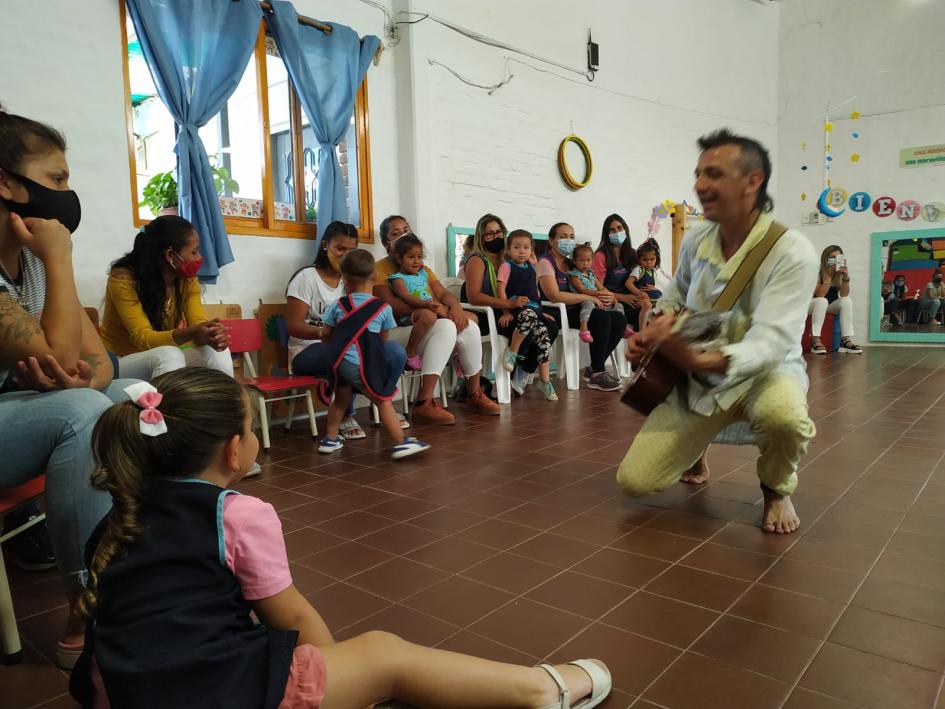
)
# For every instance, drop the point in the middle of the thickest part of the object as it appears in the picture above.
(563, 167)
(666, 209)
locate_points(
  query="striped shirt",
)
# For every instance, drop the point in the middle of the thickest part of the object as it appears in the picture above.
(29, 293)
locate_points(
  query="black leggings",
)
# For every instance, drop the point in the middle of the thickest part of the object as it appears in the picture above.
(528, 351)
(606, 326)
(633, 316)
(533, 326)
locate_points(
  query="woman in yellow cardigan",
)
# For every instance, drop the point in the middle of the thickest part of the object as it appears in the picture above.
(152, 306)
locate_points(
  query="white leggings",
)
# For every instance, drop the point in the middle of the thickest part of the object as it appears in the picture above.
(149, 364)
(440, 341)
(819, 308)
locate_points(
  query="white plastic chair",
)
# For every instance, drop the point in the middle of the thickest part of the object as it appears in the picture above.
(494, 342)
(567, 350)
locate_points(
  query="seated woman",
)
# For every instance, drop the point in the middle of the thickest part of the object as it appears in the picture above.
(55, 376)
(152, 305)
(445, 335)
(932, 298)
(607, 327)
(614, 259)
(481, 288)
(311, 291)
(832, 295)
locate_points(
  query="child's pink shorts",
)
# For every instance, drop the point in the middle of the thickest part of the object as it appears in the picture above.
(305, 687)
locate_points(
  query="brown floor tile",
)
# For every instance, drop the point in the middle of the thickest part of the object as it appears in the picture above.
(447, 520)
(633, 661)
(909, 570)
(32, 682)
(38, 598)
(837, 555)
(451, 554)
(621, 567)
(341, 605)
(737, 563)
(536, 516)
(850, 531)
(807, 615)
(805, 699)
(751, 538)
(580, 594)
(63, 702)
(307, 541)
(407, 623)
(511, 573)
(660, 618)
(554, 549)
(660, 545)
(592, 528)
(919, 546)
(498, 534)
(397, 578)
(530, 627)
(345, 560)
(307, 580)
(458, 601)
(931, 525)
(400, 538)
(920, 604)
(401, 509)
(355, 525)
(820, 581)
(892, 637)
(686, 525)
(869, 680)
(315, 512)
(699, 682)
(769, 651)
(698, 587)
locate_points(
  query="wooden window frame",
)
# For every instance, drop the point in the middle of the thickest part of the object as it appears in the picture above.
(268, 225)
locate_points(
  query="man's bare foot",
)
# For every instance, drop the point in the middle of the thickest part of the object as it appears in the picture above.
(698, 473)
(779, 514)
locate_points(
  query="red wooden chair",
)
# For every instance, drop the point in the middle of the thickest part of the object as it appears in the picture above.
(246, 337)
(9, 500)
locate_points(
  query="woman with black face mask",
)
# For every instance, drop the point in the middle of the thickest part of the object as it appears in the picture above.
(152, 305)
(489, 253)
(55, 375)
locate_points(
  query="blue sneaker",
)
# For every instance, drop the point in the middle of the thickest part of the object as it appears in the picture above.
(330, 445)
(410, 446)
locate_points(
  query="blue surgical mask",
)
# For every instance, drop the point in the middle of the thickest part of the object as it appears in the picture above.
(566, 247)
(618, 237)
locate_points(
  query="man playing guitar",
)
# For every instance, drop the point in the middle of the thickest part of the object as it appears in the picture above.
(759, 376)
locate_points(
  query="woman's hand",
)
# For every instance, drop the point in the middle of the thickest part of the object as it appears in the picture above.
(606, 297)
(46, 238)
(519, 301)
(219, 335)
(201, 334)
(647, 288)
(598, 302)
(50, 376)
(505, 320)
(441, 311)
(459, 317)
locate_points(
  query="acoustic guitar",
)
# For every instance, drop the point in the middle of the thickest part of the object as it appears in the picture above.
(655, 376)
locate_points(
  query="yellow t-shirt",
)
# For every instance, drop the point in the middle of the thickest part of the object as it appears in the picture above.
(125, 327)
(385, 268)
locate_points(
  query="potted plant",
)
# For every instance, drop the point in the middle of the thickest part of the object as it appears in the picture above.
(160, 194)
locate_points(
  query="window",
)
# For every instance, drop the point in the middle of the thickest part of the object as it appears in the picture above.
(261, 146)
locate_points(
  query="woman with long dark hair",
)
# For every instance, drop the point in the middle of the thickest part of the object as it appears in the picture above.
(153, 308)
(614, 259)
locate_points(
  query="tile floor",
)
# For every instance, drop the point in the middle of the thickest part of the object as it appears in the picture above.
(509, 540)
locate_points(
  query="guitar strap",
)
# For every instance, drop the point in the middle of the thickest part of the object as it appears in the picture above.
(746, 269)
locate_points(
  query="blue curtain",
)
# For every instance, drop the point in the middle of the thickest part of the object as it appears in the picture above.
(326, 71)
(197, 51)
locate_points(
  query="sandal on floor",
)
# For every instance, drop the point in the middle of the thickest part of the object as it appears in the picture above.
(600, 684)
(351, 430)
(67, 654)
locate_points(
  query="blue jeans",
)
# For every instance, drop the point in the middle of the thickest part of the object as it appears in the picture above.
(51, 434)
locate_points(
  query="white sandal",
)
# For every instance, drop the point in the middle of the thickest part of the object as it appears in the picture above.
(600, 684)
(351, 430)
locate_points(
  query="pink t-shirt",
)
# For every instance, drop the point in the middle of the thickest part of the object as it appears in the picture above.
(599, 265)
(503, 273)
(255, 548)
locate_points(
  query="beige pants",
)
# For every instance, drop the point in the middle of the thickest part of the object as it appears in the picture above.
(673, 437)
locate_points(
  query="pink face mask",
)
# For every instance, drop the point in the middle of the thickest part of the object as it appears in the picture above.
(188, 269)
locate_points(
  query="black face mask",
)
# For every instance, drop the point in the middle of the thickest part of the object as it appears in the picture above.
(45, 203)
(495, 246)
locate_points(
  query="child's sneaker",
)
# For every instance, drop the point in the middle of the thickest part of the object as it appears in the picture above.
(548, 391)
(629, 332)
(410, 446)
(414, 363)
(330, 445)
(586, 336)
(509, 360)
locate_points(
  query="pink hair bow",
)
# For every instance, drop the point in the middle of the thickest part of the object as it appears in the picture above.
(151, 421)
